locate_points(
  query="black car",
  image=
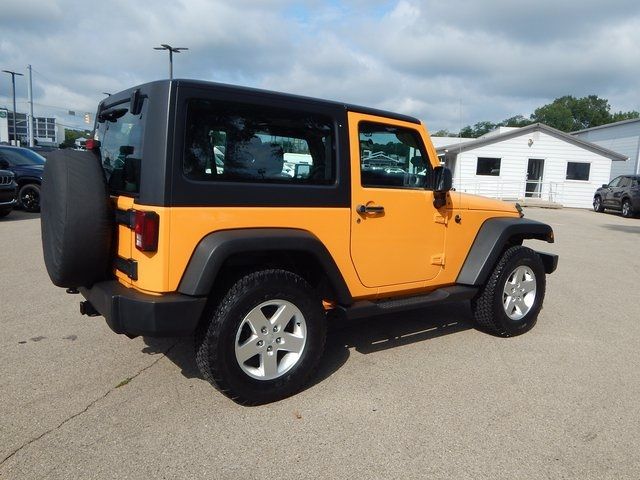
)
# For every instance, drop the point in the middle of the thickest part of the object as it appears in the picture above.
(8, 190)
(27, 166)
(622, 193)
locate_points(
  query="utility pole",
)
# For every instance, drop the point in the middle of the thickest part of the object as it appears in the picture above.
(13, 86)
(171, 50)
(30, 122)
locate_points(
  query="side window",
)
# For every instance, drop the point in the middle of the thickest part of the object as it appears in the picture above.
(246, 143)
(393, 157)
(578, 171)
(615, 182)
(625, 182)
(488, 166)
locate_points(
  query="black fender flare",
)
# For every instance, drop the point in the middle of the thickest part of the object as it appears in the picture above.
(215, 248)
(491, 240)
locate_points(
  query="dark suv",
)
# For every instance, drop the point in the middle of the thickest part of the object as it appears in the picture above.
(27, 166)
(7, 192)
(622, 193)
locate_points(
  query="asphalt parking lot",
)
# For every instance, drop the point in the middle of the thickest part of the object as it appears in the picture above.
(417, 395)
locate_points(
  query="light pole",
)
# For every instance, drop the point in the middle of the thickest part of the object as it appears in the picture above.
(171, 50)
(13, 87)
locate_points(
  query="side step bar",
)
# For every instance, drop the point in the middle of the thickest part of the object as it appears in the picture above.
(369, 308)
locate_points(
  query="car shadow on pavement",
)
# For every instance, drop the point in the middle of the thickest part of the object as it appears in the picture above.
(624, 228)
(17, 215)
(366, 336)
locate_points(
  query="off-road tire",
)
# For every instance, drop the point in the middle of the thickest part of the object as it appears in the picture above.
(597, 204)
(627, 209)
(487, 306)
(29, 197)
(77, 219)
(216, 336)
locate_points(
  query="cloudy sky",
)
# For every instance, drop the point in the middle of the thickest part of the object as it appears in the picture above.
(451, 63)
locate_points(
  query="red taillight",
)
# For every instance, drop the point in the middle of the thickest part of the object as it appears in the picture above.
(146, 231)
(91, 144)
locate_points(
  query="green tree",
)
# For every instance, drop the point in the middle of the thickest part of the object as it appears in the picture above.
(70, 137)
(619, 116)
(443, 133)
(569, 113)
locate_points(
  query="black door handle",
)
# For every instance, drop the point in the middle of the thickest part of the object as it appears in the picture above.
(370, 209)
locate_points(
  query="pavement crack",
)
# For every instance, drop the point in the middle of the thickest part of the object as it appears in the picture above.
(77, 414)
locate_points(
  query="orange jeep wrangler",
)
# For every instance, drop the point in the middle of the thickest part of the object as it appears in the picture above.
(244, 217)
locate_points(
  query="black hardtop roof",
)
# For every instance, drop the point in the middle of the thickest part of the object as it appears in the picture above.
(118, 97)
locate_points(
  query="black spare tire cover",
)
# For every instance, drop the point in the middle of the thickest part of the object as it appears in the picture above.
(76, 219)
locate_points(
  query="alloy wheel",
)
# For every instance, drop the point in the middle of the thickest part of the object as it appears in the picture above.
(271, 339)
(519, 293)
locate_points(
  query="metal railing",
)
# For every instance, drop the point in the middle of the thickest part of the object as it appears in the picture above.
(513, 189)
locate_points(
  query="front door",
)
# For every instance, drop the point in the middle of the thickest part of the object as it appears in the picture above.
(610, 192)
(535, 171)
(397, 235)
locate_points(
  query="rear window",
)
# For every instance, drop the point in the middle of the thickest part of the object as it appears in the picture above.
(231, 142)
(121, 141)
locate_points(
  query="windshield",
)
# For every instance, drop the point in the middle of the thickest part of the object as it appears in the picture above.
(120, 134)
(21, 157)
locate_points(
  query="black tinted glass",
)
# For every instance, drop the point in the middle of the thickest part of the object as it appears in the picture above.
(393, 157)
(248, 143)
(121, 140)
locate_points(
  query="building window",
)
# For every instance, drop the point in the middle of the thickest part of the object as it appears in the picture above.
(578, 171)
(488, 166)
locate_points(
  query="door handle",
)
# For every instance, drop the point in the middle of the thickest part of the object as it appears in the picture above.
(370, 209)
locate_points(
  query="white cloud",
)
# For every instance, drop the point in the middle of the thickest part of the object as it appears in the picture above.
(427, 58)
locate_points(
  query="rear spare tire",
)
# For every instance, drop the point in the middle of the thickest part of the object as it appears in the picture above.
(76, 219)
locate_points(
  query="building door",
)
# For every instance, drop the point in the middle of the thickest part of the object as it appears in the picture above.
(535, 171)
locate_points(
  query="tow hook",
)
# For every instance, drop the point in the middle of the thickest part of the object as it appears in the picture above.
(87, 309)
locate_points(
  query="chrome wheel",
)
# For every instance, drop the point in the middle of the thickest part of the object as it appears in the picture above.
(519, 292)
(271, 339)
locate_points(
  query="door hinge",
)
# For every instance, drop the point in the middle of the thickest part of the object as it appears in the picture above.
(437, 259)
(439, 219)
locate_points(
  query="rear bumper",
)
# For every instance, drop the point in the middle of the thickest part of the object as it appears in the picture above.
(131, 312)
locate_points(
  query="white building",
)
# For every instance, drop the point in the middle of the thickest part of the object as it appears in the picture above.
(622, 137)
(46, 131)
(536, 162)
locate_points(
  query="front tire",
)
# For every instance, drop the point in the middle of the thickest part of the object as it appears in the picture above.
(627, 209)
(597, 204)
(29, 197)
(264, 339)
(509, 303)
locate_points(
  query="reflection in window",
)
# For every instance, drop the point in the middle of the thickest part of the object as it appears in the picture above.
(393, 157)
(578, 170)
(488, 166)
(243, 143)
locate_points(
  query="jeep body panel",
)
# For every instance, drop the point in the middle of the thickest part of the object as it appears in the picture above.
(216, 248)
(491, 240)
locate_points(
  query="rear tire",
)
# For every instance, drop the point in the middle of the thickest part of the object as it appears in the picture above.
(264, 339)
(627, 209)
(509, 303)
(597, 204)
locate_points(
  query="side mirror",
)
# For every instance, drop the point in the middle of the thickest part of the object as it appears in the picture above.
(442, 183)
(604, 185)
(442, 180)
